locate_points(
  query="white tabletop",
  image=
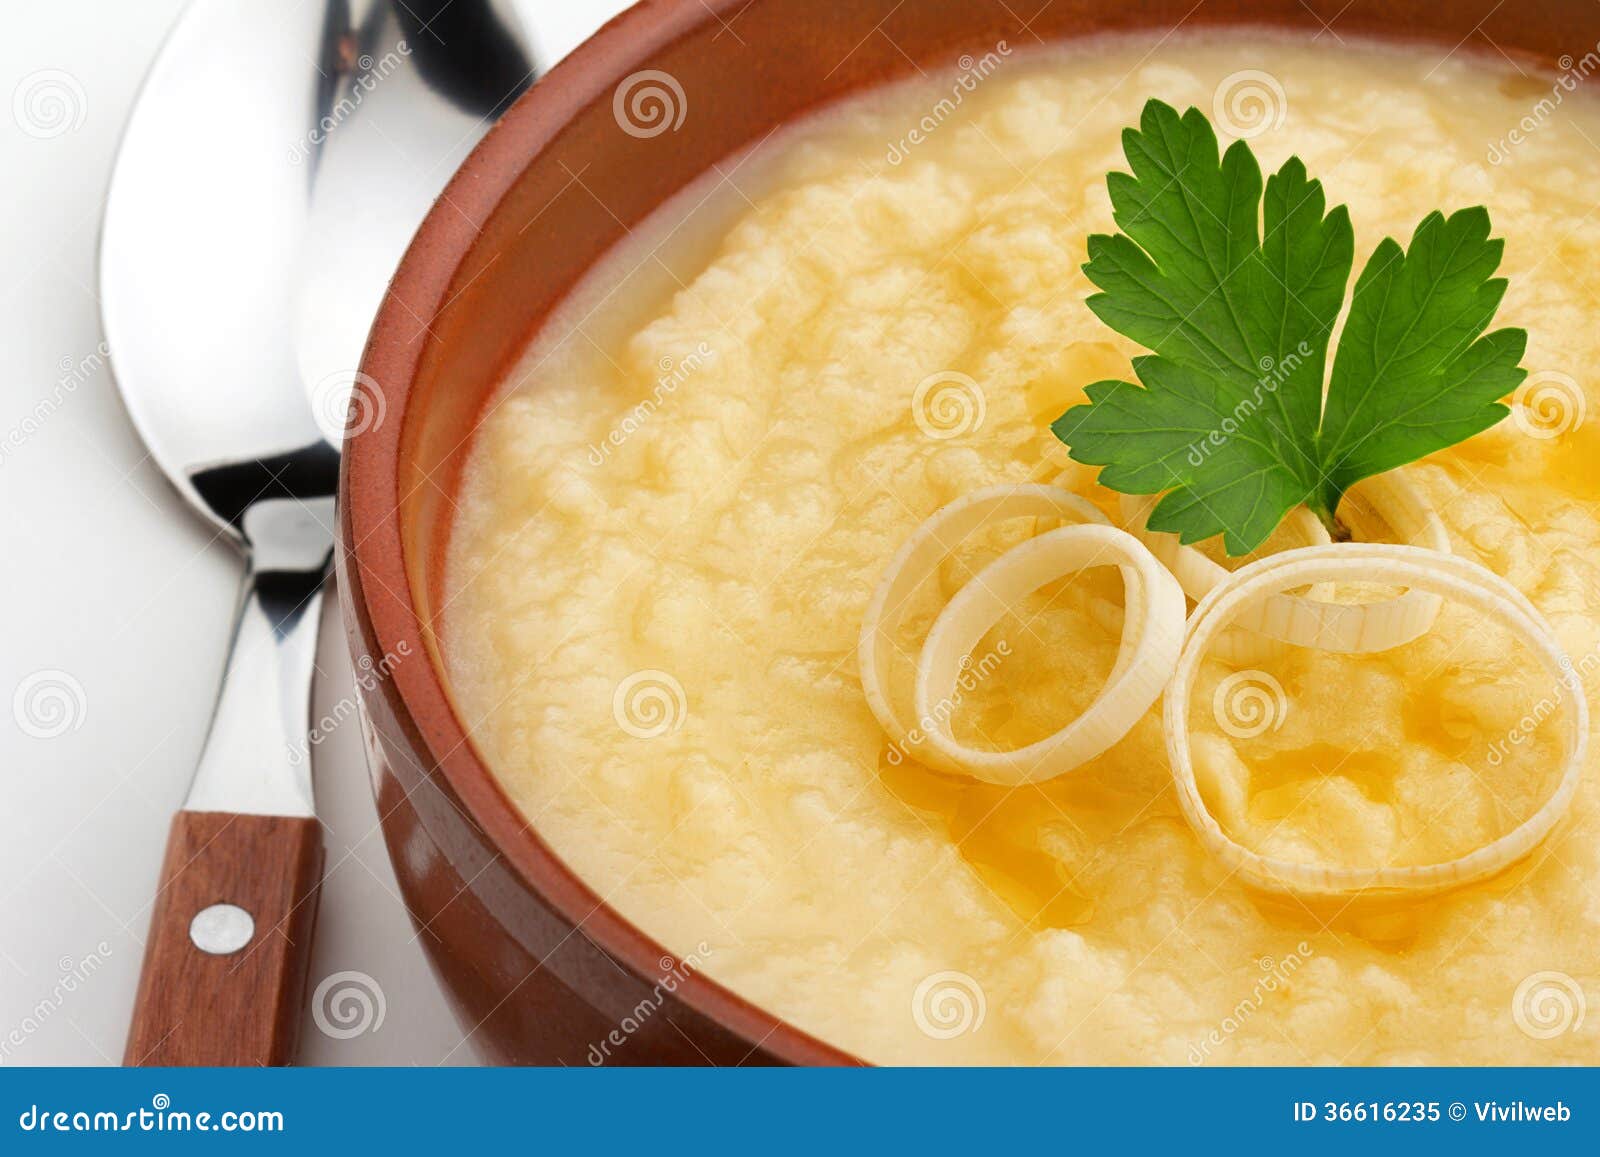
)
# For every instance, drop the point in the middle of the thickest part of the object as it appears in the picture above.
(118, 605)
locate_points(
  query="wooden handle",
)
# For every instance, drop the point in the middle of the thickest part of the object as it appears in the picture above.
(229, 952)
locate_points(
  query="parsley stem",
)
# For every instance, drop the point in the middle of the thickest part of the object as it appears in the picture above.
(1337, 530)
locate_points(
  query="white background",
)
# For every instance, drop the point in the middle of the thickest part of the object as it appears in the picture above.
(104, 576)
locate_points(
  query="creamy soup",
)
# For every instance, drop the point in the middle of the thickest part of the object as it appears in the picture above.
(676, 512)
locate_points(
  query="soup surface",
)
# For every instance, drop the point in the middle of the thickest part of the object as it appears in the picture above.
(675, 514)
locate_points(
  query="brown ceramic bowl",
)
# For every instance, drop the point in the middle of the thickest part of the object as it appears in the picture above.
(534, 961)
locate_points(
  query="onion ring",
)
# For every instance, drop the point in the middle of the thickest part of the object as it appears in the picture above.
(1197, 573)
(1311, 620)
(1420, 570)
(1141, 673)
(917, 559)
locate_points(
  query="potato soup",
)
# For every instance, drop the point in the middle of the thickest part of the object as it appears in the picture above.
(678, 508)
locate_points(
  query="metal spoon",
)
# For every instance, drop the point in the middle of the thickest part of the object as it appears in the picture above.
(276, 164)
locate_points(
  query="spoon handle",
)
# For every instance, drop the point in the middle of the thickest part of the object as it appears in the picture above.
(229, 952)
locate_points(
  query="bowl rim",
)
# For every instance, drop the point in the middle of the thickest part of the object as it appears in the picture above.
(372, 547)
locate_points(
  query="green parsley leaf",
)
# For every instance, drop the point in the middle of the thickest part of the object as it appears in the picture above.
(1413, 373)
(1236, 289)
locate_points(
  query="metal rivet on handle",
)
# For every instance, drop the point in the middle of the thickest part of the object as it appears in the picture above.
(221, 929)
